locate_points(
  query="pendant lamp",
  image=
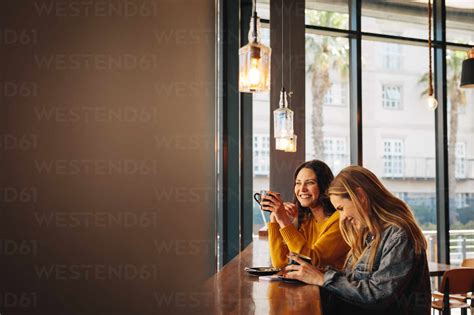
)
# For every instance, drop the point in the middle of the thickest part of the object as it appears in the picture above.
(467, 72)
(431, 102)
(285, 139)
(254, 60)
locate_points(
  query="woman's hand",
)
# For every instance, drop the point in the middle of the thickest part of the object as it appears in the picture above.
(291, 211)
(304, 272)
(273, 202)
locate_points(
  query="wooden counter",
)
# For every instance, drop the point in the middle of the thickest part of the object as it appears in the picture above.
(233, 291)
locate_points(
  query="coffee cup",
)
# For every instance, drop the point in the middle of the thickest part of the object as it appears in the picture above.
(259, 197)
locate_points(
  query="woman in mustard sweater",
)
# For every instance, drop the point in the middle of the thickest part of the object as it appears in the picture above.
(310, 225)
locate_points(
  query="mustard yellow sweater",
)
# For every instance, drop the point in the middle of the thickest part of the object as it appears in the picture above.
(322, 241)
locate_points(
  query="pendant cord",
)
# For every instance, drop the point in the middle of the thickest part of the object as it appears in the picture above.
(430, 92)
(254, 19)
(289, 32)
(282, 44)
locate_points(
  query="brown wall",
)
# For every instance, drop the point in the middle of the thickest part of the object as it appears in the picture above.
(107, 155)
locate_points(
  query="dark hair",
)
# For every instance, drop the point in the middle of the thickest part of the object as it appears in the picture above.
(324, 178)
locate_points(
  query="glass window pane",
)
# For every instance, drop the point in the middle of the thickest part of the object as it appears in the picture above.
(327, 100)
(261, 145)
(399, 146)
(460, 21)
(461, 158)
(396, 17)
(263, 10)
(334, 14)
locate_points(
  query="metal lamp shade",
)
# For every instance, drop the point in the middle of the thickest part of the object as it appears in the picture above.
(467, 73)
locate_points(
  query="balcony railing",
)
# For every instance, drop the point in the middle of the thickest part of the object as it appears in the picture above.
(422, 168)
(461, 245)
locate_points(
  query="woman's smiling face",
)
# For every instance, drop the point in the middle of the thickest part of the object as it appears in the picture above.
(306, 188)
(348, 211)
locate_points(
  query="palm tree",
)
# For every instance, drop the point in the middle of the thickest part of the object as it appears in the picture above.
(324, 53)
(456, 100)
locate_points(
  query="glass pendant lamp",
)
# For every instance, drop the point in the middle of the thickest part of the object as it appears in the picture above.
(283, 118)
(254, 60)
(285, 139)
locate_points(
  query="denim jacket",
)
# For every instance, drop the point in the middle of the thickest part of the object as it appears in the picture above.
(398, 282)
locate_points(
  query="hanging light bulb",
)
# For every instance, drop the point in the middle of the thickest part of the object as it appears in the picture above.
(281, 143)
(283, 118)
(431, 102)
(291, 144)
(254, 60)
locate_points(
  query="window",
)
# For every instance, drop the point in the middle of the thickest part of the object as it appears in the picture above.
(334, 15)
(391, 54)
(261, 154)
(335, 153)
(400, 194)
(328, 97)
(393, 158)
(337, 95)
(396, 18)
(398, 137)
(261, 136)
(461, 200)
(327, 113)
(460, 133)
(391, 96)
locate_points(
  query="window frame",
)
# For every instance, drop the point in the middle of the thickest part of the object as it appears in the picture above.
(355, 35)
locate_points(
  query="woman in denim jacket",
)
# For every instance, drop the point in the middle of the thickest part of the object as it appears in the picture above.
(386, 268)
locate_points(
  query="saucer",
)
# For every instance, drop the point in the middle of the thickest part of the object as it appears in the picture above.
(262, 271)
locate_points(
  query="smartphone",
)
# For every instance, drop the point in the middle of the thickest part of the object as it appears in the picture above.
(303, 257)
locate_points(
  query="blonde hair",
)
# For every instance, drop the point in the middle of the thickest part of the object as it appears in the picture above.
(378, 208)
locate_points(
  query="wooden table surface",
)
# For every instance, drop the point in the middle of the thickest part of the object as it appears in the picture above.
(235, 292)
(439, 269)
